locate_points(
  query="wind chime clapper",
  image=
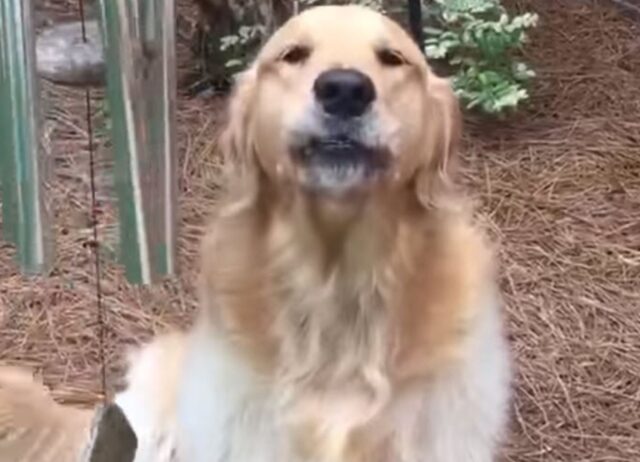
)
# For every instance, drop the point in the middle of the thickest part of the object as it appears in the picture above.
(112, 438)
(139, 59)
(23, 168)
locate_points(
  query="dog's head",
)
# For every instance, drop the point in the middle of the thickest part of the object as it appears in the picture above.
(339, 102)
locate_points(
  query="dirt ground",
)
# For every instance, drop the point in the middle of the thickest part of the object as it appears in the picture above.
(558, 185)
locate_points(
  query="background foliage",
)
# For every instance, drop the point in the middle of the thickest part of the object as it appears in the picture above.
(477, 40)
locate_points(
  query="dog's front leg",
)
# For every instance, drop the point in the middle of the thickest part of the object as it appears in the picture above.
(464, 412)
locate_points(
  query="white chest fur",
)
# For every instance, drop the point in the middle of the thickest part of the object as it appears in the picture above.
(203, 404)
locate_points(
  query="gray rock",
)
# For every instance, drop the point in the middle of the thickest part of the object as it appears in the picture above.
(65, 58)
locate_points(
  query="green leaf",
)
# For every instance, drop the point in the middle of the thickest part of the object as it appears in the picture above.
(233, 63)
(433, 31)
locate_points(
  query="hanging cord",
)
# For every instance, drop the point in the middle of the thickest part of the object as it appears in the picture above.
(94, 223)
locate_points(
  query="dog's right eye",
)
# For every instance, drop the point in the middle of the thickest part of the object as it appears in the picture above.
(391, 58)
(297, 54)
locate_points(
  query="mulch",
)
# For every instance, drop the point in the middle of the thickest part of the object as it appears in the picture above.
(558, 186)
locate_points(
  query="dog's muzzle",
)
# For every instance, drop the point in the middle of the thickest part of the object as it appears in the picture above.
(335, 165)
(338, 156)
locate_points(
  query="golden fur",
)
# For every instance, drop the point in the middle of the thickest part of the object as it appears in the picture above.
(33, 427)
(356, 297)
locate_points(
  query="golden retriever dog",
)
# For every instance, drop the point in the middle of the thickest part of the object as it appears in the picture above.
(350, 312)
(349, 305)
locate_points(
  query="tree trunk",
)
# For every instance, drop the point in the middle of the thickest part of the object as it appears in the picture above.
(222, 18)
(226, 16)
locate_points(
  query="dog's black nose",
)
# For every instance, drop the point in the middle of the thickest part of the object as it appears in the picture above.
(344, 92)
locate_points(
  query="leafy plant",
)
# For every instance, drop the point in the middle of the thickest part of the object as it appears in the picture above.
(478, 39)
(240, 46)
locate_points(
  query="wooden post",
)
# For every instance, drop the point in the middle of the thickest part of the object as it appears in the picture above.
(139, 46)
(22, 166)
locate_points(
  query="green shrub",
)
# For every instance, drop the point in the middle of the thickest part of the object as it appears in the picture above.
(478, 39)
(241, 46)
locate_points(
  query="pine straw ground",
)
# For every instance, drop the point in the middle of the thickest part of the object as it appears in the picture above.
(559, 186)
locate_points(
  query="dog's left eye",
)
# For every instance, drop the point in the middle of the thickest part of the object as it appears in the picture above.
(295, 54)
(391, 58)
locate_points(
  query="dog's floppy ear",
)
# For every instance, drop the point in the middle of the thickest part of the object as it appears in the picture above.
(434, 182)
(236, 141)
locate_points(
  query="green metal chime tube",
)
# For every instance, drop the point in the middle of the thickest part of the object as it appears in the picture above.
(140, 59)
(22, 169)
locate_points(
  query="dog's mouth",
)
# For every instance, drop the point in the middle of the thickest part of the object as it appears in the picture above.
(338, 165)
